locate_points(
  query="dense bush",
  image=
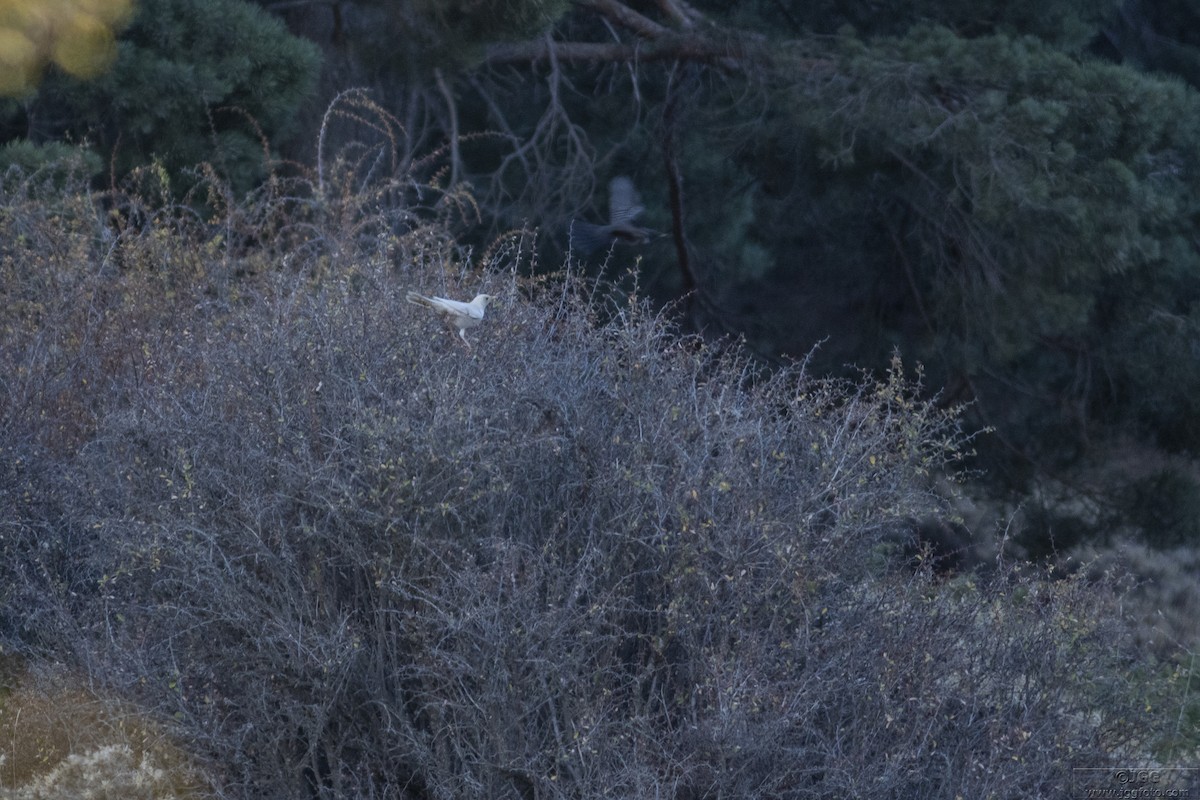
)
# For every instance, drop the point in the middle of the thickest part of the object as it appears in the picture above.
(349, 557)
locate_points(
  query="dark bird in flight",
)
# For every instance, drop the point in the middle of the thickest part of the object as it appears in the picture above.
(624, 207)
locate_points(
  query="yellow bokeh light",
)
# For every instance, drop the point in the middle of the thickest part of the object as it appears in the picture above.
(84, 47)
(18, 58)
(113, 13)
(77, 35)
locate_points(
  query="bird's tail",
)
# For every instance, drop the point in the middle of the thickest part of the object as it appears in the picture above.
(587, 238)
(418, 299)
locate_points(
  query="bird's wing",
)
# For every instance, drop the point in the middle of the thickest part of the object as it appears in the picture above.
(587, 238)
(623, 201)
(477, 306)
(458, 308)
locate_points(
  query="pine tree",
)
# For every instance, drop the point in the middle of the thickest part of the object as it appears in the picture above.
(192, 82)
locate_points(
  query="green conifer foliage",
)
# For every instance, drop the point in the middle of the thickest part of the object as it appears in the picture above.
(1068, 24)
(193, 82)
(1046, 204)
(486, 21)
(442, 34)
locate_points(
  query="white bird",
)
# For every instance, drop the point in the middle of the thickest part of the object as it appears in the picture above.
(455, 312)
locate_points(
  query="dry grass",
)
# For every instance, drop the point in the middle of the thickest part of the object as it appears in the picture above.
(58, 739)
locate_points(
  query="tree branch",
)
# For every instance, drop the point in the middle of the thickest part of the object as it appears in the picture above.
(655, 42)
(452, 109)
(626, 17)
(683, 48)
(681, 13)
(675, 187)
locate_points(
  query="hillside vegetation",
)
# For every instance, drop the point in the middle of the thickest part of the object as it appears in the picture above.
(1005, 192)
(247, 488)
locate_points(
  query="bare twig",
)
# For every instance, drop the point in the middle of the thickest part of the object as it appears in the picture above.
(626, 17)
(452, 113)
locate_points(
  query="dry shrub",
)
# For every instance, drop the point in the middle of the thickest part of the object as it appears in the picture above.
(588, 557)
